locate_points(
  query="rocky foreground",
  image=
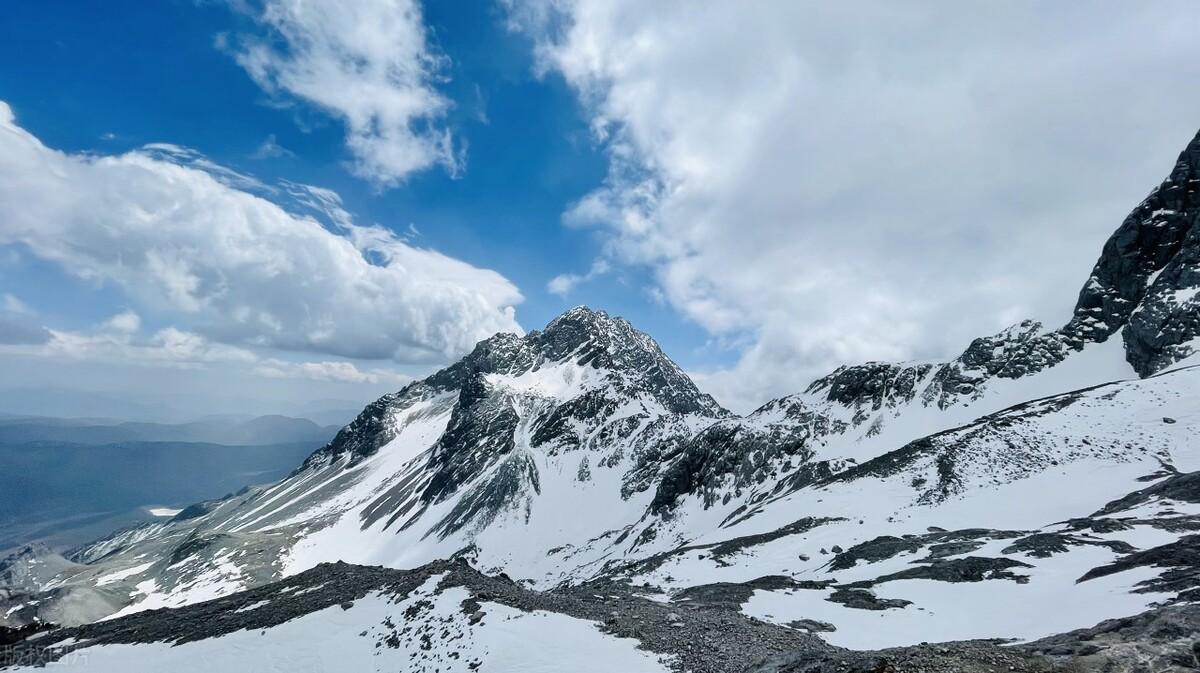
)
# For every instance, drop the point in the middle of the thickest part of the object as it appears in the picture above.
(420, 628)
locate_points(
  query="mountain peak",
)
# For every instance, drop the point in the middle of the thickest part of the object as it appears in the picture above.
(581, 314)
(581, 327)
(594, 338)
(632, 363)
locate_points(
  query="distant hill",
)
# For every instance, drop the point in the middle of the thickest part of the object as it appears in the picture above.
(65, 493)
(64, 481)
(257, 431)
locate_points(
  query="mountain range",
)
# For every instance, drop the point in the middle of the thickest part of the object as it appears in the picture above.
(65, 481)
(569, 499)
(253, 431)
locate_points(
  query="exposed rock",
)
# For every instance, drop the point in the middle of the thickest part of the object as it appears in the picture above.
(1044, 545)
(1184, 487)
(865, 599)
(1182, 557)
(812, 626)
(883, 547)
(969, 569)
(1163, 639)
(731, 595)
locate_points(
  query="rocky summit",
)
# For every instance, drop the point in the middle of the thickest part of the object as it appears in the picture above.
(569, 499)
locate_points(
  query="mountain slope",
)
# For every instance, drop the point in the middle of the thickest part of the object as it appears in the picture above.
(1038, 469)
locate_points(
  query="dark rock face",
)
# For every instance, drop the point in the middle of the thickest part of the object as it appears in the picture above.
(514, 483)
(1151, 256)
(871, 386)
(728, 454)
(481, 431)
(812, 626)
(1161, 332)
(366, 433)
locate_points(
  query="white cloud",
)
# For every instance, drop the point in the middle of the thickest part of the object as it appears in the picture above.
(345, 372)
(236, 268)
(367, 63)
(169, 347)
(125, 321)
(868, 180)
(117, 341)
(562, 284)
(271, 149)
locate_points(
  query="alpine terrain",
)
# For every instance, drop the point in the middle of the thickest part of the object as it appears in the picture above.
(570, 500)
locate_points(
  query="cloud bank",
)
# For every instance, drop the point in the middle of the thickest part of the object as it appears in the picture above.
(836, 183)
(188, 243)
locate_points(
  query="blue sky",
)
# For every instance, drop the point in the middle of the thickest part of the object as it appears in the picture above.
(115, 76)
(769, 192)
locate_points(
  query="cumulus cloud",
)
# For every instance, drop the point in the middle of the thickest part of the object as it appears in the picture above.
(170, 347)
(188, 243)
(119, 341)
(869, 180)
(344, 372)
(125, 321)
(562, 284)
(367, 63)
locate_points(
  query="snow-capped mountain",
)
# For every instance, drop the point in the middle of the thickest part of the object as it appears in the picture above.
(1049, 474)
